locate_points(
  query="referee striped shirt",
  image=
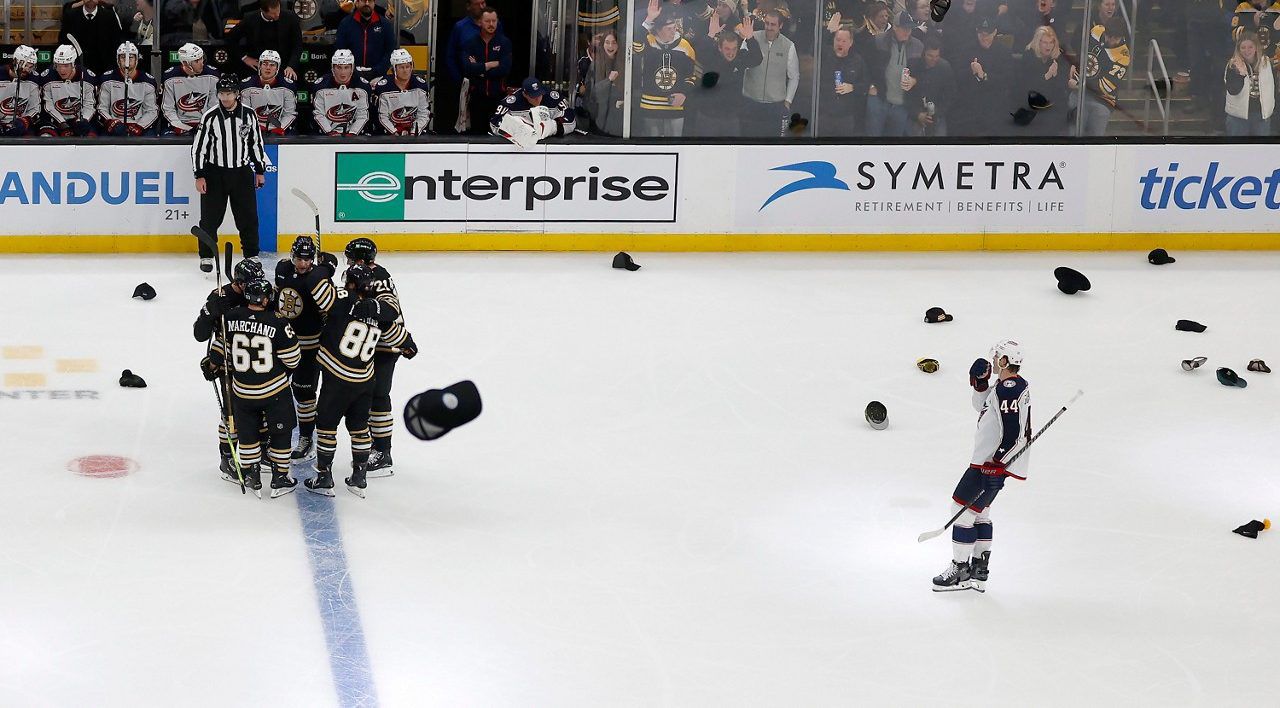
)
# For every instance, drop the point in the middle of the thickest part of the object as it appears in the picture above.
(228, 138)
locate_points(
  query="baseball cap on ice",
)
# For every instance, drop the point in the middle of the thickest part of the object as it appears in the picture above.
(1160, 257)
(1189, 326)
(1227, 377)
(937, 314)
(1071, 281)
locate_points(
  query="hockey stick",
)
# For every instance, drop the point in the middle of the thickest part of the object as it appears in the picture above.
(315, 211)
(938, 532)
(207, 239)
(79, 70)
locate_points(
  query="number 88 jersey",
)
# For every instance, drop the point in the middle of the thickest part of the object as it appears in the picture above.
(263, 350)
(349, 340)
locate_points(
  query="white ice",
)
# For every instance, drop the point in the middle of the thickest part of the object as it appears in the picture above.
(671, 497)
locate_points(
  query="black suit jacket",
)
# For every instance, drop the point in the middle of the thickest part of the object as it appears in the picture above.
(98, 37)
(254, 34)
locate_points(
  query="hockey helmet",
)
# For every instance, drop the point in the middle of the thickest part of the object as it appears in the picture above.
(248, 270)
(359, 278)
(401, 56)
(361, 249)
(127, 49)
(1007, 348)
(228, 84)
(343, 57)
(65, 54)
(24, 58)
(270, 55)
(190, 52)
(258, 291)
(303, 248)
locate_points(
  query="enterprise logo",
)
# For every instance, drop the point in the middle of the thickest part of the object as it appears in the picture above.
(376, 187)
(1208, 190)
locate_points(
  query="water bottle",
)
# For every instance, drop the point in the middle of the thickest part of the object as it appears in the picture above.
(839, 78)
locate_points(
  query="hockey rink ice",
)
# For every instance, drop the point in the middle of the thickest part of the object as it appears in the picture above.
(671, 497)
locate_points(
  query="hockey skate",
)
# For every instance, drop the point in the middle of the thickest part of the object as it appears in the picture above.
(253, 480)
(356, 482)
(281, 482)
(322, 483)
(379, 465)
(979, 572)
(955, 577)
(228, 470)
(304, 450)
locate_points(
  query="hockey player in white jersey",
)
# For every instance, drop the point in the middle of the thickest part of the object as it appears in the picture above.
(272, 96)
(19, 94)
(189, 89)
(401, 99)
(127, 96)
(532, 114)
(68, 95)
(340, 99)
(1004, 428)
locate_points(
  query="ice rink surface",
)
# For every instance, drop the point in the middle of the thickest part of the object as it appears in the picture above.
(671, 498)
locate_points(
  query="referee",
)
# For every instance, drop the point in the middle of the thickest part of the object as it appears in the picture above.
(230, 163)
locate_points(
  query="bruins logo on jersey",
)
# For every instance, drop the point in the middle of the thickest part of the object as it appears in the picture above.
(291, 303)
(665, 77)
(1091, 66)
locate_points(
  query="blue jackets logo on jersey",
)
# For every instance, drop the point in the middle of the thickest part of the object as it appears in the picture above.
(822, 175)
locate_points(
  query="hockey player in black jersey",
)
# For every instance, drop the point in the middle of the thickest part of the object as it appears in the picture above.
(396, 342)
(305, 295)
(351, 335)
(219, 302)
(259, 353)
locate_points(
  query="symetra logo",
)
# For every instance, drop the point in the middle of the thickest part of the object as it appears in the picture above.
(822, 175)
(1209, 190)
(505, 187)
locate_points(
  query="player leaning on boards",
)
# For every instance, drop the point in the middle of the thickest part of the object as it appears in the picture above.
(394, 343)
(230, 162)
(1004, 425)
(306, 293)
(262, 353)
(531, 114)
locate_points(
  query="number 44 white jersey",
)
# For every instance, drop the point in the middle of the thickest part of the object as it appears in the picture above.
(1004, 424)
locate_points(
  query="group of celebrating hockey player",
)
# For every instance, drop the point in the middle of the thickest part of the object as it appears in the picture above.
(302, 352)
(68, 100)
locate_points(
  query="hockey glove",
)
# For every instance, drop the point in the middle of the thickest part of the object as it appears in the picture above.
(366, 309)
(328, 259)
(276, 131)
(409, 349)
(993, 474)
(209, 369)
(116, 128)
(978, 375)
(134, 128)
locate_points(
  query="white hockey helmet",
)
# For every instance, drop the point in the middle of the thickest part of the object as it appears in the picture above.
(190, 52)
(270, 55)
(1007, 349)
(343, 57)
(401, 56)
(127, 49)
(25, 57)
(65, 54)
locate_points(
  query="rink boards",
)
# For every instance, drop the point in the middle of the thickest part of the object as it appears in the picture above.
(60, 198)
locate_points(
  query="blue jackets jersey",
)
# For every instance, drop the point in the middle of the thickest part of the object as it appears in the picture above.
(561, 110)
(1004, 424)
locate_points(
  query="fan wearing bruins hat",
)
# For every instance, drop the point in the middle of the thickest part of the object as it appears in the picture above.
(258, 355)
(306, 294)
(396, 342)
(355, 325)
(188, 90)
(1004, 428)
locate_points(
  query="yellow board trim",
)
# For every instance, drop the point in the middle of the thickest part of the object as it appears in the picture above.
(482, 241)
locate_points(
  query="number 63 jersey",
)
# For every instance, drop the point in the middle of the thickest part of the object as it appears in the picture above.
(351, 336)
(1004, 424)
(262, 352)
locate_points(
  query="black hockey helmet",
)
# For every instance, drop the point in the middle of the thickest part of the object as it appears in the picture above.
(248, 270)
(303, 247)
(359, 278)
(228, 84)
(256, 291)
(362, 249)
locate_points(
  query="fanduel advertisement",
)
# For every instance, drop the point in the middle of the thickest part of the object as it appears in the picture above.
(505, 187)
(914, 189)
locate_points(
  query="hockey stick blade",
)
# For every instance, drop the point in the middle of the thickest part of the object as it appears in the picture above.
(204, 237)
(938, 532)
(306, 200)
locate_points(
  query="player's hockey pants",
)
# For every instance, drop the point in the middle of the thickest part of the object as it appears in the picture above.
(303, 381)
(341, 399)
(249, 415)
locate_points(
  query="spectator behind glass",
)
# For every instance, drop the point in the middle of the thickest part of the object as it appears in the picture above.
(1036, 13)
(602, 89)
(1262, 18)
(718, 97)
(666, 72)
(1107, 64)
(887, 113)
(1251, 89)
(97, 28)
(771, 86)
(962, 20)
(984, 78)
(842, 88)
(274, 28)
(929, 101)
(874, 24)
(1043, 69)
(925, 26)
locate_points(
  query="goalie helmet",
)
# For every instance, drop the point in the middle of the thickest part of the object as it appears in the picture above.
(190, 52)
(361, 249)
(65, 54)
(247, 271)
(258, 291)
(24, 58)
(1007, 348)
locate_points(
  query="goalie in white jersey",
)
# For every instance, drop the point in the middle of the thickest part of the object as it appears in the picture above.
(1004, 429)
(532, 114)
